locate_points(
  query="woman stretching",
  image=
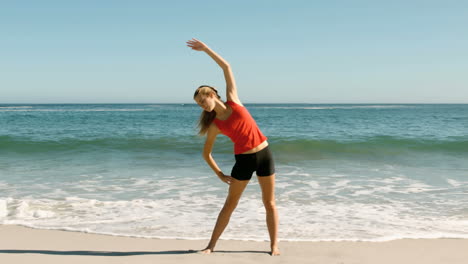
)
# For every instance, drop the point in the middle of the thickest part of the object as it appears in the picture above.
(251, 150)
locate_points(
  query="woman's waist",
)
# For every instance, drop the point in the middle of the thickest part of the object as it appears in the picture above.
(256, 149)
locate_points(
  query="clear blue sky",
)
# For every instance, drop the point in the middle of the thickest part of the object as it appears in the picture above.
(280, 51)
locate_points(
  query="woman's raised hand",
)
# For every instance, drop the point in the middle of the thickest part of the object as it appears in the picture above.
(195, 44)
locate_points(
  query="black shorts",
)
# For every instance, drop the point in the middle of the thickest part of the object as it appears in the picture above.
(246, 164)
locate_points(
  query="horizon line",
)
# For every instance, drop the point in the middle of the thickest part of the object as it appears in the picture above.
(181, 103)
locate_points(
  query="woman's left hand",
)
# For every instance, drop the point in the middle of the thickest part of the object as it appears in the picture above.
(195, 44)
(225, 178)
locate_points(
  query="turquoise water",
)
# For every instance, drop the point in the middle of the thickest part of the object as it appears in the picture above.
(344, 172)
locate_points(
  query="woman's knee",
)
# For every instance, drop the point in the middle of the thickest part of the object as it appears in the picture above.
(270, 205)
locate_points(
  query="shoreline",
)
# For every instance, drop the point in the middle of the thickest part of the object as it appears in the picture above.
(27, 245)
(356, 240)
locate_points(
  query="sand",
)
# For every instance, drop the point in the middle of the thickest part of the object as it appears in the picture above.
(25, 245)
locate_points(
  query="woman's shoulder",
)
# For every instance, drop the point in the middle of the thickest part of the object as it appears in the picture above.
(234, 103)
(213, 129)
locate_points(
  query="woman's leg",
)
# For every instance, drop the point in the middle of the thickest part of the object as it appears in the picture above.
(235, 191)
(267, 184)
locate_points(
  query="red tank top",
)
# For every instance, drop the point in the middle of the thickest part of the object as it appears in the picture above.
(241, 128)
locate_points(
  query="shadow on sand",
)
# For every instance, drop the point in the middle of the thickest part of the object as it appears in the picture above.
(116, 253)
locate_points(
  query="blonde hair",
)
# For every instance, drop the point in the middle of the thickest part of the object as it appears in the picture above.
(206, 118)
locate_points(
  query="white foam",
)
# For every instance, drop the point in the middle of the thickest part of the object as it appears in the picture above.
(313, 184)
(314, 205)
(454, 183)
(43, 214)
(15, 107)
(392, 180)
(418, 187)
(363, 192)
(193, 217)
(3, 208)
(342, 183)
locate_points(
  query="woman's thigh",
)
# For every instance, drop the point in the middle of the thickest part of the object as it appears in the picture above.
(236, 188)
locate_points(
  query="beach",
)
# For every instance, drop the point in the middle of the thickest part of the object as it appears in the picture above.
(25, 245)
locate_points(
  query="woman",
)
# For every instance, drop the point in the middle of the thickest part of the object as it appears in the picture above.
(251, 150)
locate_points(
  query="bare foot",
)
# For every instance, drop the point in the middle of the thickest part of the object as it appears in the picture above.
(275, 251)
(206, 251)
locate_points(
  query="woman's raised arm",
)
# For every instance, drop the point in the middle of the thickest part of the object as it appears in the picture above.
(231, 88)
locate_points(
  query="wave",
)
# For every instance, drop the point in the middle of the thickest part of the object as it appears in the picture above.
(377, 145)
(25, 145)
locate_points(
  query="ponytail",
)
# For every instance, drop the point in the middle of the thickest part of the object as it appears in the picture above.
(206, 118)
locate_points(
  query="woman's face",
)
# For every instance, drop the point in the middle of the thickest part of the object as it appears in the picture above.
(205, 101)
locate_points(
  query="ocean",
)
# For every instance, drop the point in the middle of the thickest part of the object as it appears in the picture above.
(345, 172)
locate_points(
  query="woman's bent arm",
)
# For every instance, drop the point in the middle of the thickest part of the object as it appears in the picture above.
(210, 139)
